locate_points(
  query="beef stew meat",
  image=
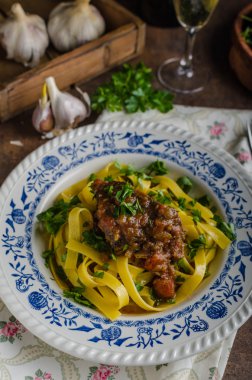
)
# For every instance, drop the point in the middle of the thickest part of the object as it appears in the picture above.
(146, 231)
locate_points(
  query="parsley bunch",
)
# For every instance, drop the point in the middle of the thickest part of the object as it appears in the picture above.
(247, 32)
(131, 90)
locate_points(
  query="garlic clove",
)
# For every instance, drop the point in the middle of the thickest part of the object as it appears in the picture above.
(72, 24)
(24, 36)
(42, 117)
(67, 109)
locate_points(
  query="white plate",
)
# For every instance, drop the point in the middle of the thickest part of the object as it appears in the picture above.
(220, 305)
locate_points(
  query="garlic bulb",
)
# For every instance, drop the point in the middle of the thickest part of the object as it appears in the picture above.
(68, 111)
(42, 117)
(24, 36)
(71, 24)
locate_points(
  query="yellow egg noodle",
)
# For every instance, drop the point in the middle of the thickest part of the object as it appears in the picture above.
(110, 286)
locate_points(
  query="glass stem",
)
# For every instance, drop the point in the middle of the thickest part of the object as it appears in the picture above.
(185, 63)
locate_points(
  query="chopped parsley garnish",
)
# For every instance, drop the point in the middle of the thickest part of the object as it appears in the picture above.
(113, 256)
(185, 183)
(124, 207)
(130, 170)
(105, 266)
(192, 203)
(63, 257)
(109, 178)
(196, 214)
(92, 177)
(195, 244)
(54, 217)
(157, 168)
(96, 241)
(127, 208)
(47, 254)
(179, 279)
(160, 197)
(247, 32)
(98, 274)
(131, 90)
(226, 228)
(182, 203)
(204, 200)
(125, 192)
(76, 295)
(139, 287)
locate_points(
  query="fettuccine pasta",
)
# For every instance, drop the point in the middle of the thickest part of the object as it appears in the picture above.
(96, 259)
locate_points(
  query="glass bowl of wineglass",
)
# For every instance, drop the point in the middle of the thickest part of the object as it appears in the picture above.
(179, 74)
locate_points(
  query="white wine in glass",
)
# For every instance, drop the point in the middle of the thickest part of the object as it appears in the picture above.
(179, 74)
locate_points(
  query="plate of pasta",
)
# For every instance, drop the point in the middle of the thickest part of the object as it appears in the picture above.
(127, 242)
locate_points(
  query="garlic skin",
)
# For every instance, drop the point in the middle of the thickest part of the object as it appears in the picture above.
(24, 36)
(42, 117)
(71, 24)
(68, 111)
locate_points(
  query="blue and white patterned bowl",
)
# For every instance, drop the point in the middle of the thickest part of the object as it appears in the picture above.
(219, 306)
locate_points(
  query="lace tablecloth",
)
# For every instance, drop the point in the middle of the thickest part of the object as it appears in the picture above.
(24, 356)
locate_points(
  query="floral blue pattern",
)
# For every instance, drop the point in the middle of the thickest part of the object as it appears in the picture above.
(225, 291)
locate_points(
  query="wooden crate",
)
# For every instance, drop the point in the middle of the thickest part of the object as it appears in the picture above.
(124, 39)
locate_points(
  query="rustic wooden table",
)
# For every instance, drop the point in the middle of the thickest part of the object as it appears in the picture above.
(223, 91)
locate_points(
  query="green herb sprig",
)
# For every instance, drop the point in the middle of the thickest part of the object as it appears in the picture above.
(226, 228)
(131, 90)
(76, 295)
(95, 241)
(54, 217)
(195, 244)
(247, 32)
(185, 183)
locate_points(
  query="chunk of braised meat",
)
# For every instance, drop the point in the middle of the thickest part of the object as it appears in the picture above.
(136, 225)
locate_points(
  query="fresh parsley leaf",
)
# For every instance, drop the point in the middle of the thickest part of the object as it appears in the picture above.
(157, 168)
(92, 177)
(125, 192)
(139, 287)
(195, 244)
(127, 208)
(77, 297)
(54, 217)
(204, 200)
(196, 214)
(105, 266)
(182, 203)
(98, 274)
(192, 203)
(185, 183)
(95, 241)
(130, 170)
(247, 31)
(160, 197)
(131, 90)
(109, 178)
(47, 254)
(179, 279)
(226, 228)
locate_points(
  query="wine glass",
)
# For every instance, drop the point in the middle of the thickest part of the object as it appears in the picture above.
(180, 74)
